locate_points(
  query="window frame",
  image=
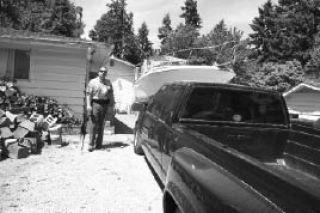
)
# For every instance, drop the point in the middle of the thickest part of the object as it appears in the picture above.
(159, 108)
(182, 115)
(15, 65)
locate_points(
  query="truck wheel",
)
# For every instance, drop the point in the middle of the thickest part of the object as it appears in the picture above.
(137, 144)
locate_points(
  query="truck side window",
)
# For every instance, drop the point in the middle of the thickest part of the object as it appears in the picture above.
(266, 108)
(165, 101)
(170, 99)
(153, 105)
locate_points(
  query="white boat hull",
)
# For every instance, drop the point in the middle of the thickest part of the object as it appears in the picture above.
(149, 84)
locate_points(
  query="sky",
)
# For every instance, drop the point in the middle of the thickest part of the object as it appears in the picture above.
(235, 13)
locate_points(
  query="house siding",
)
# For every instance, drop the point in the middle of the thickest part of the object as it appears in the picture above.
(304, 101)
(59, 74)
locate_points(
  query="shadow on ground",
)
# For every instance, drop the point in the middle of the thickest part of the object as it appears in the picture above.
(121, 128)
(116, 144)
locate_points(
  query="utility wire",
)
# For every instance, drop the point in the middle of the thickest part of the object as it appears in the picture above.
(204, 48)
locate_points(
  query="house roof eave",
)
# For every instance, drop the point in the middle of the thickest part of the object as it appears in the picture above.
(300, 87)
(40, 41)
(123, 61)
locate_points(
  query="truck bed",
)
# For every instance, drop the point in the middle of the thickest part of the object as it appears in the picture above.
(285, 181)
(306, 181)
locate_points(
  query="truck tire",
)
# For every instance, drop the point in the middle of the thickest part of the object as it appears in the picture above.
(137, 144)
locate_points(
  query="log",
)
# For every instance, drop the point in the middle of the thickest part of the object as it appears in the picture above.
(16, 151)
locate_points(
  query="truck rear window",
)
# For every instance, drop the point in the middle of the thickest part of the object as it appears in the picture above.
(212, 104)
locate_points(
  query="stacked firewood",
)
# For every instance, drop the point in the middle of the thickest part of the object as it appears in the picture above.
(24, 119)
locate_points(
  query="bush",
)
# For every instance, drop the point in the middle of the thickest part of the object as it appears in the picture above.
(279, 77)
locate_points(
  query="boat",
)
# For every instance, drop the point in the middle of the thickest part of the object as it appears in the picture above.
(150, 82)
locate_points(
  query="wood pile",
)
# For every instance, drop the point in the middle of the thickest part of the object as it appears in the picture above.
(25, 119)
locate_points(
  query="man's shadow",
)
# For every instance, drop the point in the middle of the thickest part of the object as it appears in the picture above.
(116, 144)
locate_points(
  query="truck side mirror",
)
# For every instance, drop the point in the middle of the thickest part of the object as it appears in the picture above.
(138, 106)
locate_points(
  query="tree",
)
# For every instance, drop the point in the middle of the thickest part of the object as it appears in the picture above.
(264, 30)
(165, 30)
(181, 38)
(10, 13)
(225, 40)
(52, 17)
(115, 26)
(190, 14)
(280, 77)
(313, 65)
(286, 31)
(274, 76)
(298, 28)
(132, 51)
(64, 20)
(144, 43)
(221, 45)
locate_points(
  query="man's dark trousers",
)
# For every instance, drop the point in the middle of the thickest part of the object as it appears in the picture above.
(96, 128)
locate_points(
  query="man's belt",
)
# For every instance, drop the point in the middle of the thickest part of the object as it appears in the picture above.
(100, 101)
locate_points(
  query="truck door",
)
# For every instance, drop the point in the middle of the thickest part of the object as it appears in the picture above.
(152, 133)
(165, 134)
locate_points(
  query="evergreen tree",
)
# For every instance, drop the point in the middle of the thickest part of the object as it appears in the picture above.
(181, 38)
(313, 65)
(190, 14)
(271, 75)
(64, 19)
(144, 43)
(132, 50)
(286, 31)
(298, 27)
(115, 26)
(225, 44)
(165, 30)
(10, 13)
(264, 31)
(52, 17)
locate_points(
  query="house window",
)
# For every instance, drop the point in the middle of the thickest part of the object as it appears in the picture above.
(21, 64)
(14, 64)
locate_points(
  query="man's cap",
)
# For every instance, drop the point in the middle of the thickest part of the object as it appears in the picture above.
(103, 69)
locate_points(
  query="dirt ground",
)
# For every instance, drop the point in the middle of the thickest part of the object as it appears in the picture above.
(66, 179)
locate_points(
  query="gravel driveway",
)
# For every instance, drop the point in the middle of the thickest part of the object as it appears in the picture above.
(64, 179)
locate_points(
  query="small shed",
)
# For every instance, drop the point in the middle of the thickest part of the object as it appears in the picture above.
(46, 65)
(304, 98)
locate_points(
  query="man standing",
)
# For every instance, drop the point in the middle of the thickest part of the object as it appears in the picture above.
(100, 97)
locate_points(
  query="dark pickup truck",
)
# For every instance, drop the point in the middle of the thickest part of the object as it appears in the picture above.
(228, 148)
